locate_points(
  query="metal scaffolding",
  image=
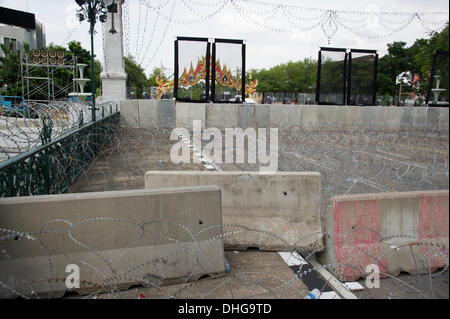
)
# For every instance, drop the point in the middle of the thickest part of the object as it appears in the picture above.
(39, 74)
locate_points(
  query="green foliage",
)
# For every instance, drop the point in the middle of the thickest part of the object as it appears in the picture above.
(136, 76)
(297, 76)
(332, 76)
(194, 92)
(10, 80)
(10, 68)
(151, 81)
(301, 76)
(362, 76)
(84, 56)
(417, 58)
(395, 62)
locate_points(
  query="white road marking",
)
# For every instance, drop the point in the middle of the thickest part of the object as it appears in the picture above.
(353, 285)
(292, 258)
(329, 295)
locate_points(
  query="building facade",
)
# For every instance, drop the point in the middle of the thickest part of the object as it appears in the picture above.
(18, 27)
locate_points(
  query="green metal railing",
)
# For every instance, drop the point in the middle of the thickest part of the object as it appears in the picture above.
(52, 167)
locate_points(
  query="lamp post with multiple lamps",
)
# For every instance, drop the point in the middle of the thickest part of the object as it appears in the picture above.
(93, 11)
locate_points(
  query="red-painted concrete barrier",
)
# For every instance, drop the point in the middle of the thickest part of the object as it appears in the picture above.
(397, 231)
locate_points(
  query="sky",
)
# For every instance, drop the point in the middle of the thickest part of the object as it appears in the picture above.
(154, 24)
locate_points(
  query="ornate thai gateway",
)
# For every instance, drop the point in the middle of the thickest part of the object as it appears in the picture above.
(224, 78)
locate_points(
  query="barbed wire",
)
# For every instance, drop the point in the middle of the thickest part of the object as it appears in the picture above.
(352, 160)
(252, 284)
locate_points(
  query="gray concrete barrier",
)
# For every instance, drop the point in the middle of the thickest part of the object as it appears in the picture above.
(270, 211)
(148, 113)
(129, 113)
(399, 231)
(164, 113)
(186, 113)
(118, 239)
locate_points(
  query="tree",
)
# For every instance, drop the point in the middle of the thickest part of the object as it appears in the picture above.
(136, 76)
(424, 50)
(418, 59)
(151, 80)
(84, 56)
(395, 62)
(297, 76)
(10, 80)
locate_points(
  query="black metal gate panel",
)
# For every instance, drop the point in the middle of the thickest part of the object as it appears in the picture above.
(192, 69)
(331, 76)
(362, 77)
(228, 72)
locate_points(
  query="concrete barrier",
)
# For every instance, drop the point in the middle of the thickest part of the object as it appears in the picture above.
(405, 231)
(164, 113)
(186, 113)
(331, 117)
(222, 115)
(148, 113)
(285, 116)
(282, 209)
(245, 116)
(129, 113)
(118, 239)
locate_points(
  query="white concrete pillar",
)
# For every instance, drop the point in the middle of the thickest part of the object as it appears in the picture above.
(113, 77)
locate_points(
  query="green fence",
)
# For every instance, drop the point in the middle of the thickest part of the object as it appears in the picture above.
(52, 167)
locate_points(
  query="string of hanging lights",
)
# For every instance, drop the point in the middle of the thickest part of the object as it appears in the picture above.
(140, 43)
(155, 24)
(299, 18)
(273, 17)
(126, 27)
(162, 37)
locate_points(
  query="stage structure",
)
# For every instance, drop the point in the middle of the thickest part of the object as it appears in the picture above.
(226, 66)
(331, 76)
(362, 77)
(47, 75)
(438, 88)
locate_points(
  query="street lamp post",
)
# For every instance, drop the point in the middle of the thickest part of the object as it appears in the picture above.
(93, 11)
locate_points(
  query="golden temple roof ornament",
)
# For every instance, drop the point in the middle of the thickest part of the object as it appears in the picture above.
(224, 77)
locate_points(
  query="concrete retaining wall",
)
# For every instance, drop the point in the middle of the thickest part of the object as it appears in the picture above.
(284, 205)
(118, 239)
(188, 112)
(397, 231)
(164, 113)
(148, 113)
